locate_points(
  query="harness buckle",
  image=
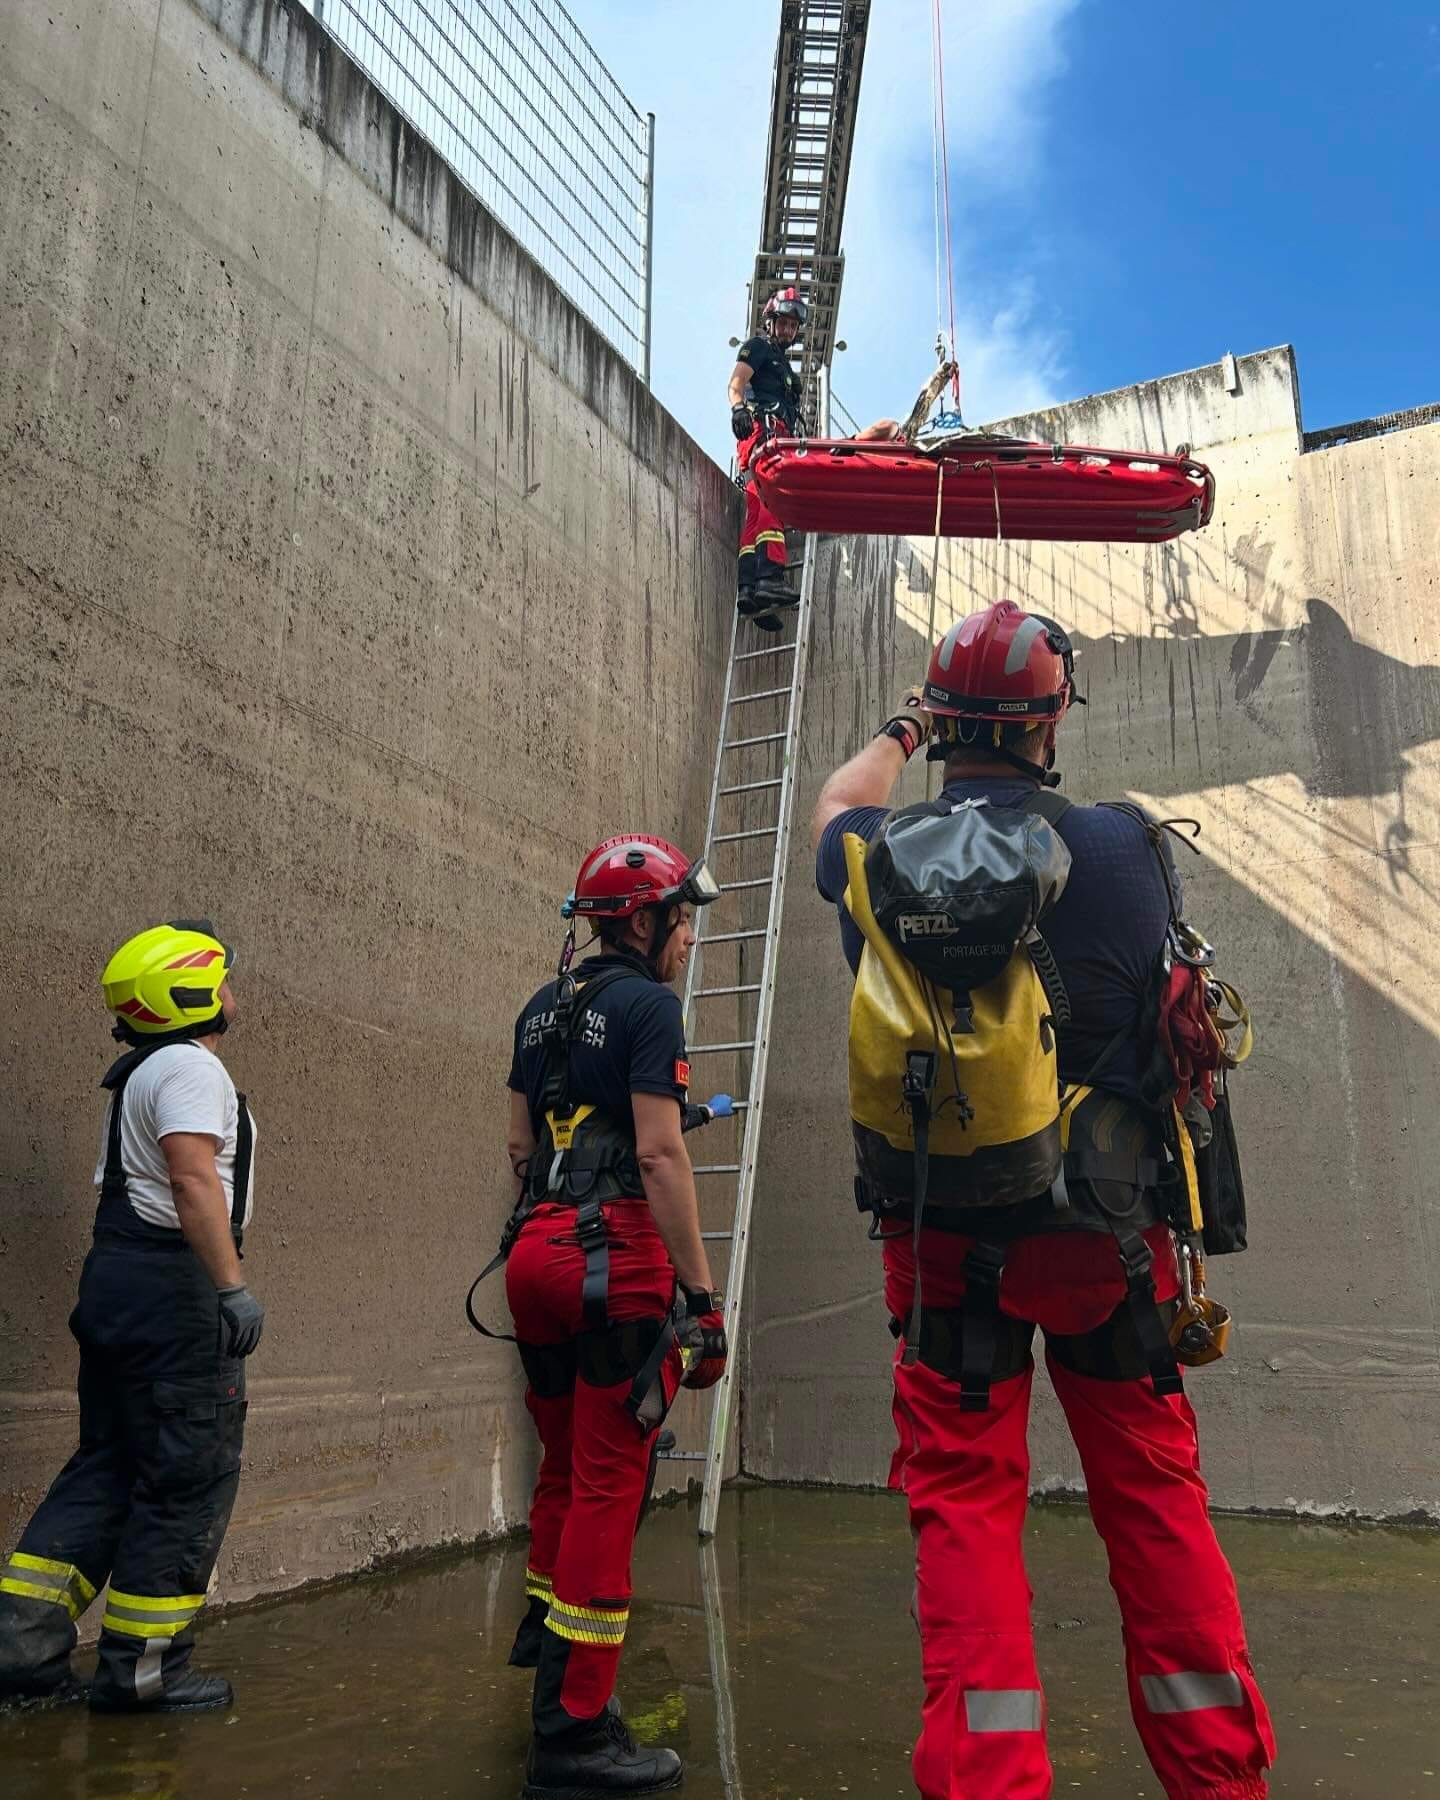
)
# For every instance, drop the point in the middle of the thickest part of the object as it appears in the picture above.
(590, 1232)
(1135, 1258)
(984, 1266)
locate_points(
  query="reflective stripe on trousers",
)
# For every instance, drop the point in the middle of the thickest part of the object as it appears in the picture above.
(1194, 1698)
(150, 1616)
(42, 1578)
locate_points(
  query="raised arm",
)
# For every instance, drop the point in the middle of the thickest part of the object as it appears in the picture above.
(869, 778)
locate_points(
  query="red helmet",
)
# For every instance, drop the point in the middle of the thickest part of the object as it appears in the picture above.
(624, 874)
(786, 304)
(1001, 664)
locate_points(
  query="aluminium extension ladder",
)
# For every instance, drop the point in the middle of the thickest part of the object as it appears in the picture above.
(745, 729)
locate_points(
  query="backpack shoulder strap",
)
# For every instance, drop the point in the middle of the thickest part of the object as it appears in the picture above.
(1050, 806)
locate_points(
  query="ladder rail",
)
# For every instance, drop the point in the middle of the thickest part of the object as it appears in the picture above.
(692, 970)
(723, 1392)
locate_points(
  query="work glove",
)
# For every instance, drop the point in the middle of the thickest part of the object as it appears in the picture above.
(742, 422)
(243, 1318)
(718, 1106)
(911, 711)
(703, 1337)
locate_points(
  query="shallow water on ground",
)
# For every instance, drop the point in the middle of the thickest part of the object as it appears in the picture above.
(396, 1685)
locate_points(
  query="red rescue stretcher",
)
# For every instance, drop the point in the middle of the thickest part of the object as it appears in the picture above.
(993, 487)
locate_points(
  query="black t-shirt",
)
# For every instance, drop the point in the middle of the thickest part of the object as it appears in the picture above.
(632, 1041)
(775, 385)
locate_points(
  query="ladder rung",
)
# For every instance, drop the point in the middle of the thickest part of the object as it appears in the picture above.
(716, 1169)
(729, 937)
(761, 694)
(734, 837)
(732, 887)
(751, 787)
(715, 1049)
(745, 987)
(767, 737)
(683, 1455)
(717, 1237)
(769, 650)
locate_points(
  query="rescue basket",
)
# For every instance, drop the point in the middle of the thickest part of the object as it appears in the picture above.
(987, 487)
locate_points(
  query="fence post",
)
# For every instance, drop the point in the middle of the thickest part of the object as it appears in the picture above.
(649, 241)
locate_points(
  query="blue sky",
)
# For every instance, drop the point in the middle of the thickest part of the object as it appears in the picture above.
(1134, 191)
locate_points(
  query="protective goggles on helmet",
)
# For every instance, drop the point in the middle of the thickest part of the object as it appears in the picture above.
(788, 309)
(696, 887)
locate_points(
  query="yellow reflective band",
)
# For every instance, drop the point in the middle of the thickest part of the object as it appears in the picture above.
(43, 1578)
(539, 1585)
(160, 1603)
(585, 1634)
(146, 1628)
(769, 537)
(603, 1615)
(31, 1590)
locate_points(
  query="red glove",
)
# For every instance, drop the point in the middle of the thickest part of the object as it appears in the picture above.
(706, 1349)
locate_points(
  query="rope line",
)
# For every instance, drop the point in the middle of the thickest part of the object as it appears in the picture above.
(942, 144)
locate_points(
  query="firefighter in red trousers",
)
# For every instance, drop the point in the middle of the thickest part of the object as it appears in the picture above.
(764, 396)
(998, 685)
(606, 1229)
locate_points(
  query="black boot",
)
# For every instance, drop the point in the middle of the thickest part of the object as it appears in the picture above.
(772, 589)
(190, 1691)
(525, 1651)
(598, 1760)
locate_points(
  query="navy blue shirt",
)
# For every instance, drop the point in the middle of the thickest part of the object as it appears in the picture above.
(1105, 930)
(632, 1041)
(775, 385)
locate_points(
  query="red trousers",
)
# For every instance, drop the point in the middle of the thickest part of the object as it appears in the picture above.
(762, 536)
(1193, 1693)
(596, 1457)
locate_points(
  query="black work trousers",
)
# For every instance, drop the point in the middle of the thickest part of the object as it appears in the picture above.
(145, 1499)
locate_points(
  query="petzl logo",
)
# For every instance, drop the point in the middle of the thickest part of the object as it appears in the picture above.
(925, 925)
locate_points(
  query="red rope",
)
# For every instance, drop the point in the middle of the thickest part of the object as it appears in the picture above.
(939, 37)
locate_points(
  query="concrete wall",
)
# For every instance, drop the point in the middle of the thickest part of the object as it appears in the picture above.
(1275, 677)
(350, 586)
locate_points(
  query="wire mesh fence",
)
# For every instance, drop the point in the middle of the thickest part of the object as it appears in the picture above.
(517, 102)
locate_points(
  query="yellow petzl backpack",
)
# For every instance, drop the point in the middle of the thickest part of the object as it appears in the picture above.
(954, 1085)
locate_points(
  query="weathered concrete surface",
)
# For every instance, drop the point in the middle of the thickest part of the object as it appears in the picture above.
(1274, 677)
(349, 586)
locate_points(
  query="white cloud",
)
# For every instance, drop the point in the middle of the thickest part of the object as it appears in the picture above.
(706, 72)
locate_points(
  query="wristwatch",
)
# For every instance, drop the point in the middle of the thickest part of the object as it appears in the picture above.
(698, 1302)
(904, 734)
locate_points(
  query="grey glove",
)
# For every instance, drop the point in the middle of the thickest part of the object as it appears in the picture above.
(244, 1320)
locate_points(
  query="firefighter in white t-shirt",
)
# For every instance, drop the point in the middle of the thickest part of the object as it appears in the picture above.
(164, 1321)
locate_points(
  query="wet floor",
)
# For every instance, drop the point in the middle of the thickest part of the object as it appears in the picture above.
(396, 1685)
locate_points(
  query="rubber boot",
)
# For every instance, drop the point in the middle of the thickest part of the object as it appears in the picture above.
(525, 1651)
(597, 1760)
(190, 1691)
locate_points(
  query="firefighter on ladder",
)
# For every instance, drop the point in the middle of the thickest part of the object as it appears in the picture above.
(998, 685)
(765, 394)
(606, 1228)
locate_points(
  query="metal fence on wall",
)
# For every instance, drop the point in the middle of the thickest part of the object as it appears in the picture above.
(517, 102)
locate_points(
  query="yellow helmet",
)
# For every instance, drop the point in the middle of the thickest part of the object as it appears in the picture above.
(167, 979)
